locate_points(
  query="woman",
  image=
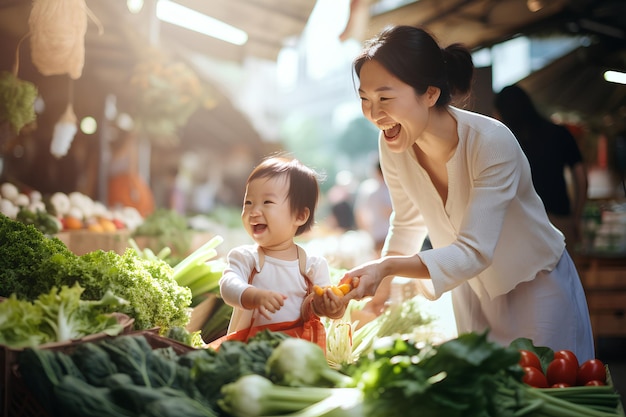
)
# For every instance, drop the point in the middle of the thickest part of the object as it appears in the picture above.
(462, 178)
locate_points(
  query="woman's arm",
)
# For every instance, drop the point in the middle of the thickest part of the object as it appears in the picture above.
(367, 279)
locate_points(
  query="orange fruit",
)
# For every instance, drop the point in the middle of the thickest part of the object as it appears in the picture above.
(107, 225)
(337, 291)
(345, 288)
(73, 223)
(95, 227)
(318, 290)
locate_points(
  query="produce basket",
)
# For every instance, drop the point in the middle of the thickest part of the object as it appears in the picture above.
(15, 400)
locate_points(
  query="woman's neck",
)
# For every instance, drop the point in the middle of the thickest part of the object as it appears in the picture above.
(440, 138)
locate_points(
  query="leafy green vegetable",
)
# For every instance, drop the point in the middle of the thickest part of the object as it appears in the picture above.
(77, 398)
(169, 228)
(56, 316)
(122, 375)
(300, 363)
(67, 317)
(30, 263)
(93, 361)
(234, 359)
(155, 299)
(253, 395)
(19, 323)
(182, 335)
(452, 379)
(544, 353)
(17, 101)
(41, 219)
(165, 407)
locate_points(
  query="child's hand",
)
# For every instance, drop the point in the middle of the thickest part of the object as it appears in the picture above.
(329, 302)
(264, 301)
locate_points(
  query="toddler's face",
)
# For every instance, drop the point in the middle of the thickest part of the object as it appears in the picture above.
(266, 213)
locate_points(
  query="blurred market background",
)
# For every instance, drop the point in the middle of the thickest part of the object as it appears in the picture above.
(146, 117)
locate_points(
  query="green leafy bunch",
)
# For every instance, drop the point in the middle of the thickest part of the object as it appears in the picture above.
(17, 99)
(453, 379)
(32, 264)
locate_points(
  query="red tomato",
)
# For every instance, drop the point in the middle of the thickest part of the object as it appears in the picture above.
(561, 385)
(534, 377)
(529, 358)
(591, 370)
(562, 370)
(566, 354)
(594, 383)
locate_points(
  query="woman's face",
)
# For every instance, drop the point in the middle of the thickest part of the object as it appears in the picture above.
(267, 215)
(393, 106)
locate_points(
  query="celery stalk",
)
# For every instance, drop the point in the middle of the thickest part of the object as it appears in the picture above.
(203, 253)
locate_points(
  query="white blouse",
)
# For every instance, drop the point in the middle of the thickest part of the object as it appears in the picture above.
(492, 232)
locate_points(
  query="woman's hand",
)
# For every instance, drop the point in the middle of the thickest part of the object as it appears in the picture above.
(364, 280)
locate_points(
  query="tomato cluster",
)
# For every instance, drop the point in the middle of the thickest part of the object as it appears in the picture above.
(563, 371)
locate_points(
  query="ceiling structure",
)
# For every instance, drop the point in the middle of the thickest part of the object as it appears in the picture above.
(117, 39)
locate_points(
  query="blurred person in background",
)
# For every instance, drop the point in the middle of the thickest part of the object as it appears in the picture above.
(551, 150)
(372, 208)
(341, 199)
(463, 179)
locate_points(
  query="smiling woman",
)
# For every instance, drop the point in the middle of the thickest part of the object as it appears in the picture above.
(462, 178)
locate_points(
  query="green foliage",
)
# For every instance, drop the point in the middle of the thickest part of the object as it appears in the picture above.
(120, 376)
(57, 316)
(42, 220)
(452, 379)
(300, 363)
(17, 101)
(30, 263)
(169, 228)
(155, 299)
(233, 360)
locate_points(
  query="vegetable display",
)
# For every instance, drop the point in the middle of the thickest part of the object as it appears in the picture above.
(466, 376)
(32, 264)
(126, 376)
